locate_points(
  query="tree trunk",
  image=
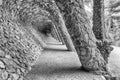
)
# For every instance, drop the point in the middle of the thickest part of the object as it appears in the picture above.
(81, 33)
(18, 48)
(100, 30)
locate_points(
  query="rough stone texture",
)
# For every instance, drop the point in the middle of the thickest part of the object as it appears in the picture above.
(21, 49)
(81, 33)
(97, 19)
(114, 31)
(2, 64)
(112, 20)
(4, 75)
(18, 48)
(57, 19)
(100, 29)
(40, 10)
(15, 76)
(2, 54)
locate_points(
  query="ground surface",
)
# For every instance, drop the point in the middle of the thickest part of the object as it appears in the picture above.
(114, 61)
(59, 65)
(65, 65)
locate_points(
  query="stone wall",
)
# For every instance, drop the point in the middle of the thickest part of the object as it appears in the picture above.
(19, 47)
(18, 51)
(114, 32)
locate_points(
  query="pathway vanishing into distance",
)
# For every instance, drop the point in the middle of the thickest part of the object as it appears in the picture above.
(57, 63)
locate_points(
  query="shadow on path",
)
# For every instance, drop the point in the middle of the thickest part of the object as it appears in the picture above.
(59, 65)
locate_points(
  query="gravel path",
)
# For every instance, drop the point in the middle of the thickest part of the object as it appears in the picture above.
(114, 61)
(59, 65)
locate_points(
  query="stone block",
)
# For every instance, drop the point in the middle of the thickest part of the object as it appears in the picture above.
(8, 56)
(2, 65)
(5, 75)
(18, 71)
(2, 54)
(15, 76)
